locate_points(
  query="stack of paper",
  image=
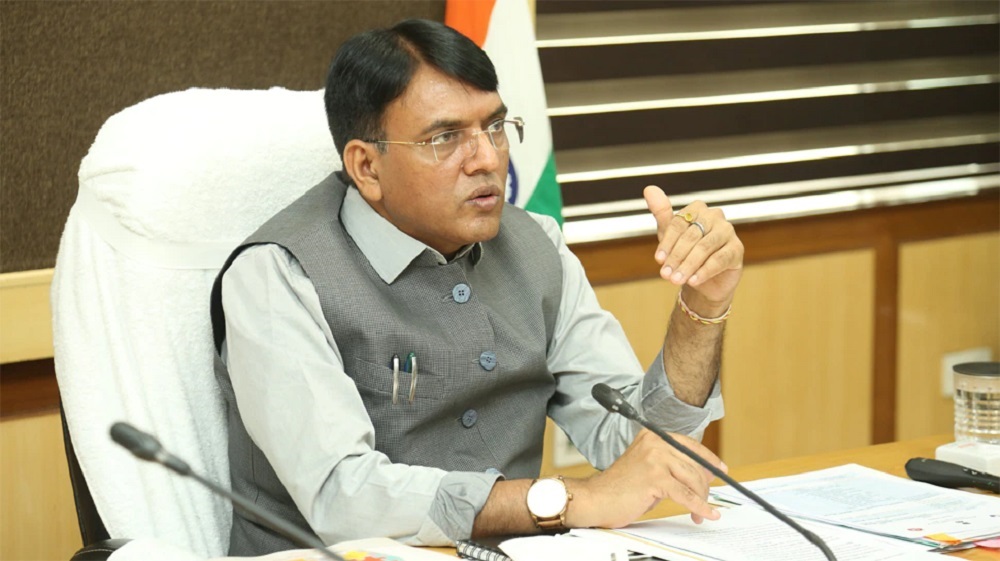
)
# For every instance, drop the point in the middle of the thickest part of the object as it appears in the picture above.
(864, 499)
(746, 533)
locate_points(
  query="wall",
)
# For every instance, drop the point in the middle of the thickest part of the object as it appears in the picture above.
(25, 321)
(798, 358)
(37, 518)
(949, 301)
(70, 65)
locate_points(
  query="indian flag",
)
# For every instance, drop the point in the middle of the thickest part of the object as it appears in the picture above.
(503, 28)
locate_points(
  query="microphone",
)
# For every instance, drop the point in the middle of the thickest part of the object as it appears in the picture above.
(947, 474)
(613, 400)
(146, 447)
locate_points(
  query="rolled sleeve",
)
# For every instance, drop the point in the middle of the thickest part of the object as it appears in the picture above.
(459, 499)
(664, 409)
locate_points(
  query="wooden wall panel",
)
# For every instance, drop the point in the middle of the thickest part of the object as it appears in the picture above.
(797, 363)
(37, 516)
(25, 316)
(949, 300)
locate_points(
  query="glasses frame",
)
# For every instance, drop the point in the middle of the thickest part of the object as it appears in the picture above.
(473, 141)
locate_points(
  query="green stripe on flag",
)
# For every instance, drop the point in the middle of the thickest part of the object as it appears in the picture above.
(547, 197)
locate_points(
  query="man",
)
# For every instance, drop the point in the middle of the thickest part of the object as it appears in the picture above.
(395, 338)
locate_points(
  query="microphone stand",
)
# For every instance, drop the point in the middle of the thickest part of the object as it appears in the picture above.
(612, 400)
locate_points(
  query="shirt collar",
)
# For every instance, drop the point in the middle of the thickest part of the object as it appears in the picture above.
(387, 248)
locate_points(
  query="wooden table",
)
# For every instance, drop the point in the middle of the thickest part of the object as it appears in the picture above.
(889, 458)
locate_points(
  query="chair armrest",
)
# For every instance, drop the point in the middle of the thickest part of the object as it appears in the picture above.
(99, 551)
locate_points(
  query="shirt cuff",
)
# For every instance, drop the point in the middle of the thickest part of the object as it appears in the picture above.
(460, 497)
(666, 410)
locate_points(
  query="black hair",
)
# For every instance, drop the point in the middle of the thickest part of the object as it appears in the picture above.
(373, 68)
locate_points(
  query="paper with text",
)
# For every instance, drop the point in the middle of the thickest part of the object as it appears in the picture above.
(870, 500)
(748, 534)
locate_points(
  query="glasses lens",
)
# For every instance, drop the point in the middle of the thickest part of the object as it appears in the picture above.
(498, 135)
(499, 132)
(445, 143)
(502, 132)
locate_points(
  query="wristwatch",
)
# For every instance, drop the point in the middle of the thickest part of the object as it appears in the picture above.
(548, 500)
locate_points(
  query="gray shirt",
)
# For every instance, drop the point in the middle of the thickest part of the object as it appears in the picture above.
(288, 376)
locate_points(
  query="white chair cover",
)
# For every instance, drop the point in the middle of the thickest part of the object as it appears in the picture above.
(168, 189)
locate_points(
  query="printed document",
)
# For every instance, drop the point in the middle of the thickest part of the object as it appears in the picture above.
(746, 533)
(866, 499)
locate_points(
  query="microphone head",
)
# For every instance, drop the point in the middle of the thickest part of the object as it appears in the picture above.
(613, 400)
(605, 395)
(142, 445)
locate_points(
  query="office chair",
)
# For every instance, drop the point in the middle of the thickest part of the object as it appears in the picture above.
(169, 187)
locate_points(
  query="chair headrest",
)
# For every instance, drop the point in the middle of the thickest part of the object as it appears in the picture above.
(205, 165)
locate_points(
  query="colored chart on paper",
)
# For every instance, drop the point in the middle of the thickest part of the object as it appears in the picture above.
(366, 556)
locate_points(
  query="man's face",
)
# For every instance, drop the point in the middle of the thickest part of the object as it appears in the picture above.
(450, 203)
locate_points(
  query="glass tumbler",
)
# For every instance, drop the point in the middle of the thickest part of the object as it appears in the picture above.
(977, 402)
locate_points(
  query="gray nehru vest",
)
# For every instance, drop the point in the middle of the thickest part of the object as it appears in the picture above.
(480, 327)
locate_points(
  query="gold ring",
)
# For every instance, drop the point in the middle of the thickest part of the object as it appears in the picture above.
(687, 216)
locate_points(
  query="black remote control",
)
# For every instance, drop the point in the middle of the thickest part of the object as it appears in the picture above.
(947, 474)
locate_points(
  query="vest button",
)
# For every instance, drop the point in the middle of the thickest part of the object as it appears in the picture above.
(461, 293)
(469, 418)
(488, 360)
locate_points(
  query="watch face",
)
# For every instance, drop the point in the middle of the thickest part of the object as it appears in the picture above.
(547, 498)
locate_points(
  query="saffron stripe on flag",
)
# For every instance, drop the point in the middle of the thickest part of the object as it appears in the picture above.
(470, 18)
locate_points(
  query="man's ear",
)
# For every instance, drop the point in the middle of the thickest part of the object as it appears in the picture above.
(361, 162)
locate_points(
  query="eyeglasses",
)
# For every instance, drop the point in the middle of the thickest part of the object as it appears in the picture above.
(466, 141)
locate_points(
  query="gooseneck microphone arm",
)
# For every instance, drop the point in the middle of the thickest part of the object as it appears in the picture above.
(146, 447)
(613, 400)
